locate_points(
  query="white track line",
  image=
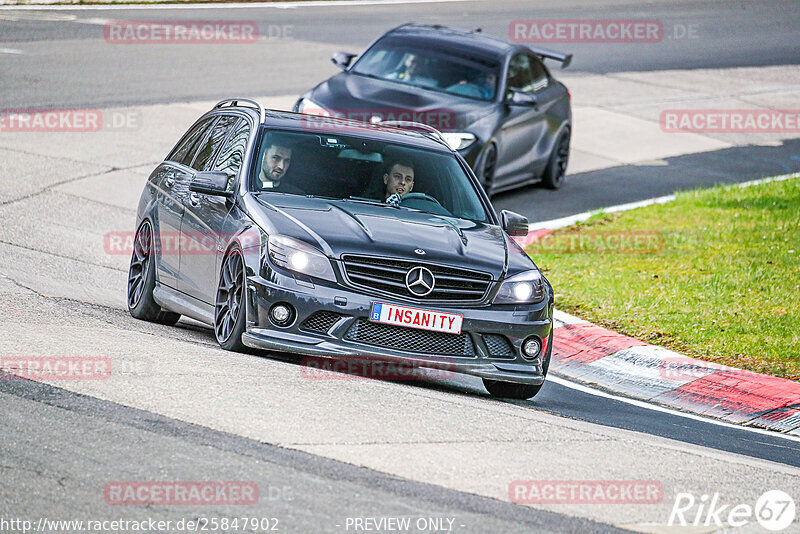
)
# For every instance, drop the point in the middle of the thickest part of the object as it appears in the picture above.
(579, 217)
(274, 5)
(657, 408)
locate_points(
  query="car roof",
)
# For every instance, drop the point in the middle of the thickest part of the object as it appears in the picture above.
(287, 120)
(438, 36)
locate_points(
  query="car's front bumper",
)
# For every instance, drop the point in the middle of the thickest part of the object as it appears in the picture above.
(515, 323)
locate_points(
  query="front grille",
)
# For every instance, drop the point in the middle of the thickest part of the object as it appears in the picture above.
(410, 339)
(389, 276)
(321, 321)
(499, 346)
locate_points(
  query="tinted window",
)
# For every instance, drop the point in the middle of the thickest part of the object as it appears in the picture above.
(184, 152)
(437, 70)
(232, 153)
(349, 168)
(519, 74)
(205, 155)
(538, 75)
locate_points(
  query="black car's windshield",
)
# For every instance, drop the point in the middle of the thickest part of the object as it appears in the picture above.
(430, 69)
(352, 168)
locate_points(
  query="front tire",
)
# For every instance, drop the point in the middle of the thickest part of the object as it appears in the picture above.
(142, 281)
(230, 308)
(488, 167)
(556, 171)
(510, 390)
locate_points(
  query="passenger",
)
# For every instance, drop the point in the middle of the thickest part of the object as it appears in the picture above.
(412, 72)
(399, 181)
(274, 165)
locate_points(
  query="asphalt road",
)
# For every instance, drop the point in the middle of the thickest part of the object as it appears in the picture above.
(78, 443)
(66, 61)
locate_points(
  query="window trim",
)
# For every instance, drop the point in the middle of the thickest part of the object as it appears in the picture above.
(211, 119)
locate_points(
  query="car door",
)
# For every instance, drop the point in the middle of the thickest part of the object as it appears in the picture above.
(172, 183)
(521, 126)
(547, 94)
(203, 219)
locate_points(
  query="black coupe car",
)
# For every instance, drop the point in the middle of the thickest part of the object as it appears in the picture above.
(495, 102)
(378, 243)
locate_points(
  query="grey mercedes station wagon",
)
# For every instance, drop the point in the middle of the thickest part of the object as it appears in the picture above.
(339, 239)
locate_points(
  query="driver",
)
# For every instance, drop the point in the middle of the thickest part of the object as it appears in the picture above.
(274, 165)
(399, 181)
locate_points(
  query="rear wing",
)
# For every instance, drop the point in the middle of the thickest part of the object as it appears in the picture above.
(564, 59)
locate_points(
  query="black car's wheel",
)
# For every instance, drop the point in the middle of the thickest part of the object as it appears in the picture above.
(488, 166)
(556, 169)
(509, 390)
(229, 311)
(142, 280)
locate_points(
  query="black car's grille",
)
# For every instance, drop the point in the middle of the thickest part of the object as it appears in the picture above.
(389, 276)
(499, 346)
(410, 339)
(321, 321)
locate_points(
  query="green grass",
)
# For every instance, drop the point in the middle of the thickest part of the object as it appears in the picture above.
(725, 287)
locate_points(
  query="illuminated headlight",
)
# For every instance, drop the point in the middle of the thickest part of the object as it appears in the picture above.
(309, 107)
(300, 257)
(458, 140)
(524, 288)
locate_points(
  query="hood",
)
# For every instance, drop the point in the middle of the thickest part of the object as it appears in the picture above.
(341, 227)
(360, 97)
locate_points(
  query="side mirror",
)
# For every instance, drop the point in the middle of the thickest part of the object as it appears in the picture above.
(521, 98)
(211, 183)
(514, 224)
(342, 59)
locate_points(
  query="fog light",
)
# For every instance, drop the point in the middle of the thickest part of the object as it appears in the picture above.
(281, 314)
(531, 347)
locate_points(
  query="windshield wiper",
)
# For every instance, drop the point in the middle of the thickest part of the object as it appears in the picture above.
(371, 202)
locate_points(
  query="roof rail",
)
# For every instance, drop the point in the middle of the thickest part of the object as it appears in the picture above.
(262, 114)
(411, 125)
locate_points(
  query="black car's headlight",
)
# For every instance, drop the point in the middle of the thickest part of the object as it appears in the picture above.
(523, 288)
(458, 140)
(300, 257)
(308, 106)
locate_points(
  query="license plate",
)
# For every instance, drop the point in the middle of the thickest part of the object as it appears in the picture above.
(416, 318)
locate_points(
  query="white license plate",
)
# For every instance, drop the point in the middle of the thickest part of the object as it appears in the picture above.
(416, 318)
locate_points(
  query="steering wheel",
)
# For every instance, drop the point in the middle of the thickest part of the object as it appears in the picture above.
(419, 196)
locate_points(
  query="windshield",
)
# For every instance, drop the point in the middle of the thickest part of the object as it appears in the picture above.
(355, 169)
(464, 76)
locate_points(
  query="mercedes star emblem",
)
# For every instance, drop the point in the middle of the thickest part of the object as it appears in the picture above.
(420, 281)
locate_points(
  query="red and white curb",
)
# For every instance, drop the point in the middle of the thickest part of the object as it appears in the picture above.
(594, 355)
(587, 353)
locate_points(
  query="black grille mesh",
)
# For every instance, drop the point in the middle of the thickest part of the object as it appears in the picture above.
(321, 321)
(410, 339)
(499, 346)
(389, 275)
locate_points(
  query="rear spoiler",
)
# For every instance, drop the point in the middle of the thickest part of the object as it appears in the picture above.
(565, 59)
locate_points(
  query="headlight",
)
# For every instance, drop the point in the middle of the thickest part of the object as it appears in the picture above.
(524, 288)
(308, 106)
(297, 256)
(458, 140)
